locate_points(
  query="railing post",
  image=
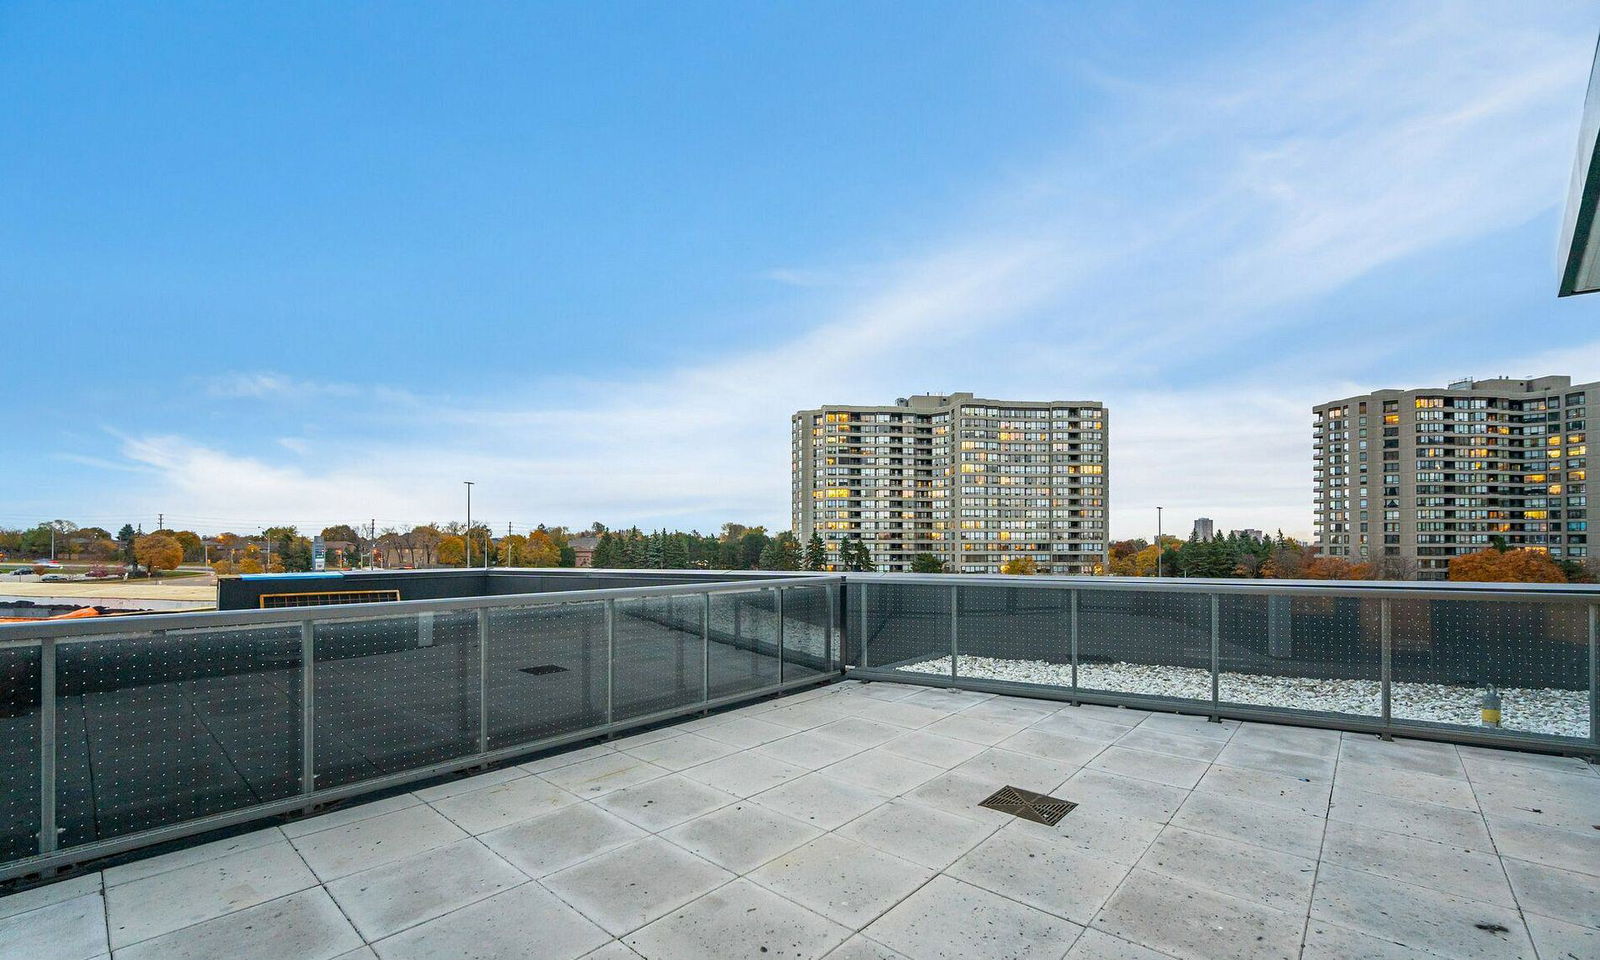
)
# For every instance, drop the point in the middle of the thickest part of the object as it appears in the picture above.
(705, 648)
(1594, 680)
(1216, 655)
(833, 618)
(955, 622)
(308, 707)
(611, 656)
(483, 680)
(777, 604)
(49, 837)
(1385, 654)
(861, 618)
(1072, 639)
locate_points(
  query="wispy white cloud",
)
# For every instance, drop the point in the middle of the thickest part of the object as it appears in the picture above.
(1244, 185)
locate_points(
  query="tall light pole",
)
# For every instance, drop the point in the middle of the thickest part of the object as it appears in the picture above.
(468, 536)
(1158, 542)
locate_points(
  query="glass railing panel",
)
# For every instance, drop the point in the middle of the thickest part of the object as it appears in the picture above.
(1451, 654)
(659, 652)
(19, 752)
(744, 642)
(1146, 642)
(1308, 653)
(394, 693)
(807, 615)
(1015, 635)
(907, 627)
(547, 671)
(163, 727)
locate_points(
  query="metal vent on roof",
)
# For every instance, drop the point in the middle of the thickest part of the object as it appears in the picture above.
(1029, 805)
(543, 669)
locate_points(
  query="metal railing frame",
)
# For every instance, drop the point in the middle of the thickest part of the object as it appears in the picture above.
(1385, 725)
(47, 636)
(847, 620)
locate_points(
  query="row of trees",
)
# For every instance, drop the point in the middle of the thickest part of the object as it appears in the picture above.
(737, 547)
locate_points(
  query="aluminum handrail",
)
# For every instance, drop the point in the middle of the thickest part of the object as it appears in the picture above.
(14, 634)
(1406, 589)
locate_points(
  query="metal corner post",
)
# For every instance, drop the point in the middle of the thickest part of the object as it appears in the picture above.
(48, 836)
(861, 619)
(1216, 655)
(308, 707)
(1594, 679)
(483, 680)
(611, 657)
(955, 631)
(829, 597)
(705, 647)
(1072, 640)
(777, 605)
(1384, 665)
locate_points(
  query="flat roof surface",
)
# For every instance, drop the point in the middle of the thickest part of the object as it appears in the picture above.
(844, 822)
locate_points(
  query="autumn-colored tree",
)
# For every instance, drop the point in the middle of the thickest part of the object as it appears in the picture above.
(1508, 566)
(157, 552)
(1335, 568)
(543, 551)
(224, 568)
(249, 565)
(452, 550)
(193, 549)
(1020, 566)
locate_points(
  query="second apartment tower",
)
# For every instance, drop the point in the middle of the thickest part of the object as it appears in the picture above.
(972, 482)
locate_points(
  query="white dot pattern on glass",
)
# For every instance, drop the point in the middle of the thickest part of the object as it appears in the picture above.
(167, 726)
(393, 693)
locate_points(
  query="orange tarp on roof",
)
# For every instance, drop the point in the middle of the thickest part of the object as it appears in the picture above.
(74, 615)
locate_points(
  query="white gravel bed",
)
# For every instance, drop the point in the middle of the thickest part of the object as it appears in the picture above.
(1563, 713)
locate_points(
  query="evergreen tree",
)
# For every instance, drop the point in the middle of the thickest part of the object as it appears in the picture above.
(675, 552)
(926, 563)
(816, 553)
(125, 537)
(605, 552)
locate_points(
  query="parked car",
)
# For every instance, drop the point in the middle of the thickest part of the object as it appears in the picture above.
(54, 578)
(22, 572)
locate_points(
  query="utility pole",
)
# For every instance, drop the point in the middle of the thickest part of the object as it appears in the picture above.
(468, 537)
(1158, 542)
(372, 538)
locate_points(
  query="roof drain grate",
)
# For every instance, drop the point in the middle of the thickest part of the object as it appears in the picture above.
(1029, 805)
(543, 669)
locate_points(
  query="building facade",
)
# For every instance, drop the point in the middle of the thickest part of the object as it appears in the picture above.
(1203, 529)
(970, 481)
(1419, 476)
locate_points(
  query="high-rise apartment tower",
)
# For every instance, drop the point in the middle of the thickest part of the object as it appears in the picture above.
(970, 481)
(1415, 477)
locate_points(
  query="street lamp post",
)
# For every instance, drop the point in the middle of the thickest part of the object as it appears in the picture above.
(468, 536)
(1158, 542)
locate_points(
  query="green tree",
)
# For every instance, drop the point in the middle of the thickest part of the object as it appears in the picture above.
(675, 552)
(816, 553)
(781, 553)
(126, 536)
(926, 563)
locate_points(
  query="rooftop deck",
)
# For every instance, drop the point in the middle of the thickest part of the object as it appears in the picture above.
(844, 822)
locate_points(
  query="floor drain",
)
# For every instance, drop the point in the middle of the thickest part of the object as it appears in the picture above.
(1029, 805)
(544, 668)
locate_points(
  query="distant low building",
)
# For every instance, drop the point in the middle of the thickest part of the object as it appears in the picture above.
(583, 549)
(1250, 532)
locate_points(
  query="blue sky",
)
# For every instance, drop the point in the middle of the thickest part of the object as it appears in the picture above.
(322, 262)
